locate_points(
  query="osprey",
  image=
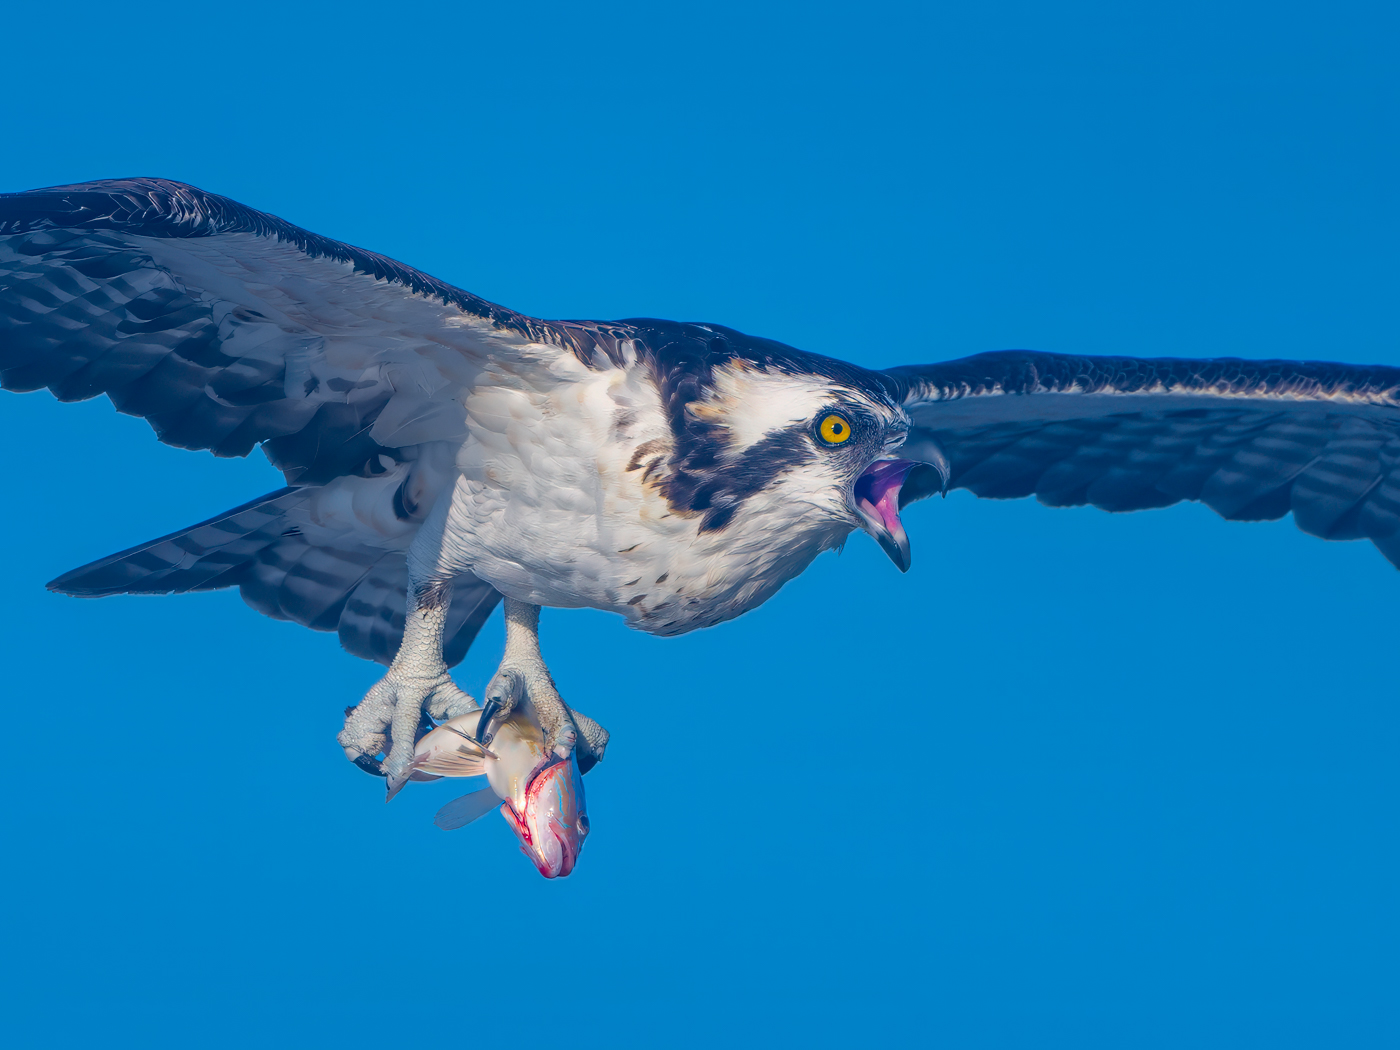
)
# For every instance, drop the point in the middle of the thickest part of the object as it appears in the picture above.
(441, 452)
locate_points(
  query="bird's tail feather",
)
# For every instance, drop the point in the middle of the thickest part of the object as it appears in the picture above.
(195, 558)
(356, 590)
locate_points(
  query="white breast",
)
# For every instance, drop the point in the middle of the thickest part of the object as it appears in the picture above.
(558, 504)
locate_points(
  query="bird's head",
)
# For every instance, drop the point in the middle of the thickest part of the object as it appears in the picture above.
(813, 440)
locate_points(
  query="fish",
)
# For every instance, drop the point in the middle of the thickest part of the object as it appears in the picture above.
(539, 794)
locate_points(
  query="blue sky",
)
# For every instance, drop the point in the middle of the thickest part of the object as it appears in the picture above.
(1146, 784)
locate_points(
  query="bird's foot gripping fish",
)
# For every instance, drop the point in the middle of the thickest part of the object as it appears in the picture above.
(539, 793)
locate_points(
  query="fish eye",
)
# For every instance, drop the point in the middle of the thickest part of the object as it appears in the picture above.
(835, 429)
(583, 823)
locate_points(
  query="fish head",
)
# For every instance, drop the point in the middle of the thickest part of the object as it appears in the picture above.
(553, 823)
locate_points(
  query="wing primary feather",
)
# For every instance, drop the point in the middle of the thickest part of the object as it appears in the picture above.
(1253, 440)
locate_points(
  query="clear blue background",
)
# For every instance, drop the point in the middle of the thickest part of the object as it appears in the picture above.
(1115, 781)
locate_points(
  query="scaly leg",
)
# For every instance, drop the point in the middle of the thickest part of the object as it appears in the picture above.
(387, 720)
(523, 678)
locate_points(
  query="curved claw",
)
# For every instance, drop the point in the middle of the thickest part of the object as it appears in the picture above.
(488, 712)
(506, 690)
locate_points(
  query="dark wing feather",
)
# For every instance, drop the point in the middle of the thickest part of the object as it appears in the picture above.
(1253, 440)
(165, 209)
(226, 327)
(347, 585)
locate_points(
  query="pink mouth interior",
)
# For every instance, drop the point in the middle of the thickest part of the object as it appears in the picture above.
(877, 491)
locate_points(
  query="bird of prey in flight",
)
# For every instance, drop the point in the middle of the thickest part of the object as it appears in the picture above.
(441, 452)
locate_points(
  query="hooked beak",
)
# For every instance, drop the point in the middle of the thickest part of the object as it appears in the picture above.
(876, 499)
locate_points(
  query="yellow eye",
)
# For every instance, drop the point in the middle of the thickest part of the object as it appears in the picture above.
(834, 429)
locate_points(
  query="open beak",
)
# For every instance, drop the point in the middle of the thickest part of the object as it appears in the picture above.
(876, 499)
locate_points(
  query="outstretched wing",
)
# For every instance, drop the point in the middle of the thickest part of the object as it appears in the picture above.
(226, 327)
(1253, 440)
